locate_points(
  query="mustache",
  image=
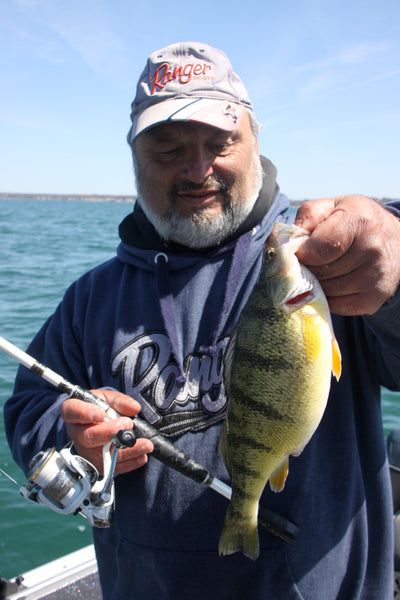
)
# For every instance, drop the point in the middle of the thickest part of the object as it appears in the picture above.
(212, 183)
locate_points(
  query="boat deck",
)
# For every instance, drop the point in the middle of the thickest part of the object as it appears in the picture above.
(73, 576)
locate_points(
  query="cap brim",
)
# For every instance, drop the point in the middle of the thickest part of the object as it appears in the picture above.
(221, 114)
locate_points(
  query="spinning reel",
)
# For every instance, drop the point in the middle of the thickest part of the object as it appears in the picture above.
(68, 483)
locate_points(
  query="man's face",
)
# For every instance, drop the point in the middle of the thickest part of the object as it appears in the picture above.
(197, 184)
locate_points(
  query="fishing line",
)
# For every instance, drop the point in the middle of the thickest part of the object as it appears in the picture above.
(9, 477)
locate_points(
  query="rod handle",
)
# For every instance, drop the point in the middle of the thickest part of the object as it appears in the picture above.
(166, 452)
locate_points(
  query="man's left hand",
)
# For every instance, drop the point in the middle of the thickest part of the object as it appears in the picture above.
(354, 251)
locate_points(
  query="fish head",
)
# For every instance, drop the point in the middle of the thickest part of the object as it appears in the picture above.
(290, 284)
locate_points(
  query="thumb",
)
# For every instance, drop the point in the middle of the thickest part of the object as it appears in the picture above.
(313, 212)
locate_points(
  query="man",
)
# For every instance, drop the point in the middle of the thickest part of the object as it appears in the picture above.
(147, 332)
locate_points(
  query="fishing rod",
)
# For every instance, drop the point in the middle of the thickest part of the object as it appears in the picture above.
(98, 508)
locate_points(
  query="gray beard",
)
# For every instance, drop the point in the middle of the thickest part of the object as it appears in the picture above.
(200, 229)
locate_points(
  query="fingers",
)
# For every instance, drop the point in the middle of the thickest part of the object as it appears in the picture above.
(312, 213)
(77, 411)
(92, 435)
(130, 459)
(121, 403)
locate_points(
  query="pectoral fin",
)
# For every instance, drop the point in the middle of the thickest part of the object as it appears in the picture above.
(336, 359)
(278, 477)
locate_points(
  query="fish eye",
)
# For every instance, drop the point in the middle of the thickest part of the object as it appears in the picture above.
(270, 253)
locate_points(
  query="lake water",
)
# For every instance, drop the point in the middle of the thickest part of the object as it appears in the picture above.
(45, 246)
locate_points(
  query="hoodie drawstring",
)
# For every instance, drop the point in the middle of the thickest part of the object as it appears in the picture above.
(232, 284)
(167, 304)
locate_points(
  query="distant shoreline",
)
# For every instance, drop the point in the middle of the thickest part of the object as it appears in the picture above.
(76, 197)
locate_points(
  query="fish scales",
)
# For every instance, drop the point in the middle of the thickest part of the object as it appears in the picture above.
(277, 375)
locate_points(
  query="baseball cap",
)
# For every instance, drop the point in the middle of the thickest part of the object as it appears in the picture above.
(188, 81)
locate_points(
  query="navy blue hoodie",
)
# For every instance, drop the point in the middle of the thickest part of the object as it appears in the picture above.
(154, 323)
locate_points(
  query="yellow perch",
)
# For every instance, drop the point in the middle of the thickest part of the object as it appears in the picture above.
(277, 374)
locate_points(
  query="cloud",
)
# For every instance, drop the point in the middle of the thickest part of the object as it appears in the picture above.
(89, 36)
(73, 32)
(351, 66)
(359, 53)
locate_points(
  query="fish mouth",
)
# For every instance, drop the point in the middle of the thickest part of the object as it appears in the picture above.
(291, 236)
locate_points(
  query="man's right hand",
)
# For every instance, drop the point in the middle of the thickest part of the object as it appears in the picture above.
(89, 431)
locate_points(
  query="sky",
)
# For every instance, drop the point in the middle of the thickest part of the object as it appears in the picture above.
(323, 76)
